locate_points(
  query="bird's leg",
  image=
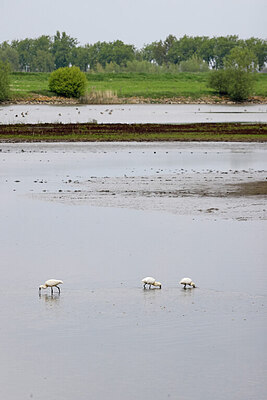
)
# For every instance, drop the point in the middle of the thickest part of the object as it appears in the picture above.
(144, 285)
(51, 290)
(185, 286)
(58, 289)
(149, 286)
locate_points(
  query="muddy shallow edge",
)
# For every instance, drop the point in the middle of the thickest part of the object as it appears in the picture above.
(113, 132)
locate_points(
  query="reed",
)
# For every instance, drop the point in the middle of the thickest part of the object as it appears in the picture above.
(100, 97)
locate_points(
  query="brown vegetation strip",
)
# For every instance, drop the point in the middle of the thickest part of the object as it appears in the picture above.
(134, 132)
(258, 188)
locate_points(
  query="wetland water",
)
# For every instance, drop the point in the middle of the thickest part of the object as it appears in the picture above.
(101, 217)
(138, 113)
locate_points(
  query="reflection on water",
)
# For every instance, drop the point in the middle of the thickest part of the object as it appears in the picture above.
(104, 336)
(138, 113)
(50, 297)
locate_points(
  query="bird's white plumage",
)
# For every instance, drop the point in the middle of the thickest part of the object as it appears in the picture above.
(187, 281)
(149, 280)
(53, 282)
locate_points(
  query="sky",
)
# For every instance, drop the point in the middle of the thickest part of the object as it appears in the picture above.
(136, 22)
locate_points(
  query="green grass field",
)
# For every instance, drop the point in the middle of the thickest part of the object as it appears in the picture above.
(153, 86)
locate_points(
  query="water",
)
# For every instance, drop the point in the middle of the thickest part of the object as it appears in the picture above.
(156, 113)
(104, 336)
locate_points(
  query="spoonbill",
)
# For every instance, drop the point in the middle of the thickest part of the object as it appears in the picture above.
(187, 281)
(150, 281)
(51, 283)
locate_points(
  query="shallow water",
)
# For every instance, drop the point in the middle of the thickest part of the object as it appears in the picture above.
(104, 336)
(138, 113)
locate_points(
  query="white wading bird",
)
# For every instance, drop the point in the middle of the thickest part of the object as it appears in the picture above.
(150, 281)
(51, 283)
(187, 281)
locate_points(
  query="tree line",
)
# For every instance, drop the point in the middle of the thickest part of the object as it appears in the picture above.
(193, 54)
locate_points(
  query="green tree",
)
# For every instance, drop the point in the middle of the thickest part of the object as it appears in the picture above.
(259, 48)
(24, 49)
(61, 49)
(43, 61)
(34, 54)
(80, 57)
(184, 49)
(194, 64)
(106, 52)
(68, 82)
(206, 50)
(4, 80)
(155, 52)
(10, 55)
(42, 58)
(222, 47)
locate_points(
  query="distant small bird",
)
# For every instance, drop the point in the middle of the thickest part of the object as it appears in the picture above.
(150, 281)
(51, 283)
(187, 281)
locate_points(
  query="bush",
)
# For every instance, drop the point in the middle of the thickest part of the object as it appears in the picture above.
(68, 82)
(237, 78)
(193, 64)
(236, 84)
(218, 80)
(241, 85)
(4, 80)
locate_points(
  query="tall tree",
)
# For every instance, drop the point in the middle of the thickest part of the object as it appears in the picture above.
(259, 48)
(222, 47)
(80, 56)
(155, 52)
(10, 55)
(106, 52)
(25, 51)
(61, 49)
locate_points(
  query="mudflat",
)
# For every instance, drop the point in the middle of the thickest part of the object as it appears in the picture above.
(102, 216)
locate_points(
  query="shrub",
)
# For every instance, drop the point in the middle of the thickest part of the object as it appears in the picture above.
(237, 78)
(218, 80)
(241, 85)
(194, 64)
(68, 82)
(4, 80)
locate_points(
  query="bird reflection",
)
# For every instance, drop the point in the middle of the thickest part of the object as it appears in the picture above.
(49, 298)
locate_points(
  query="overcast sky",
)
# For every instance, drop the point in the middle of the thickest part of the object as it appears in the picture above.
(136, 22)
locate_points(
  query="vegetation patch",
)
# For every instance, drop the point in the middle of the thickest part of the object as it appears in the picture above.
(92, 132)
(68, 82)
(131, 87)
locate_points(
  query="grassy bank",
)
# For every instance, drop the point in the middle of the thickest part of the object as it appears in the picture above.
(230, 132)
(147, 86)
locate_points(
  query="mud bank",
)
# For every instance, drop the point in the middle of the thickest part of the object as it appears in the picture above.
(52, 132)
(239, 195)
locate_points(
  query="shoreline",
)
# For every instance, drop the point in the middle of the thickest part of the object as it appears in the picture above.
(57, 100)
